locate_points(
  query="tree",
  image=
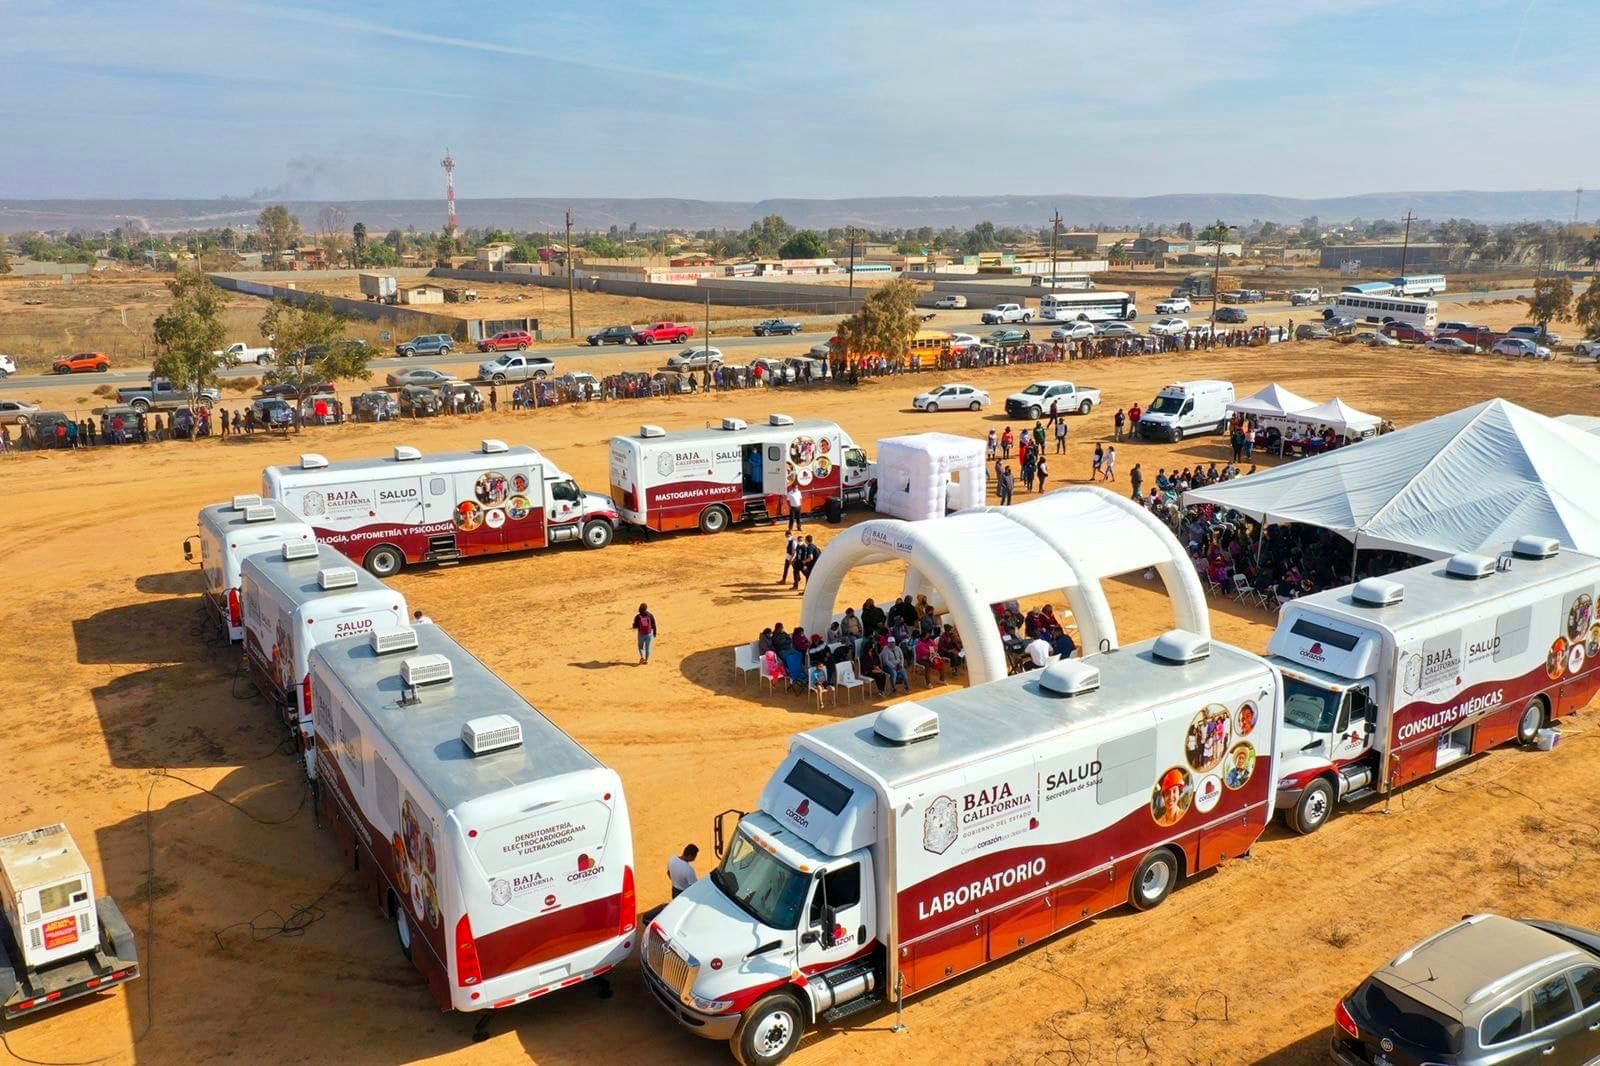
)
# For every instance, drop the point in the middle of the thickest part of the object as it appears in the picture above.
(1117, 254)
(1587, 311)
(381, 255)
(310, 345)
(885, 324)
(803, 245)
(1552, 299)
(5, 260)
(279, 230)
(980, 238)
(768, 235)
(189, 335)
(358, 240)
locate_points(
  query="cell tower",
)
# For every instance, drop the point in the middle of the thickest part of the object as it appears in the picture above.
(449, 165)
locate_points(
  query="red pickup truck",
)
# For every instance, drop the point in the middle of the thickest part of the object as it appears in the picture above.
(664, 332)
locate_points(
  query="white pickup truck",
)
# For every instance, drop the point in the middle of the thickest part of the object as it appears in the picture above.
(1038, 399)
(239, 352)
(516, 366)
(1003, 313)
(1305, 297)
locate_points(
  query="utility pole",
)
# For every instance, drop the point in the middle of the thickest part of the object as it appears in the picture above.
(1055, 228)
(1219, 231)
(850, 232)
(1405, 242)
(572, 317)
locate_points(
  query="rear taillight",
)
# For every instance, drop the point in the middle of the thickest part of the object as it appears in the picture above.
(305, 696)
(235, 613)
(630, 904)
(1341, 1017)
(467, 971)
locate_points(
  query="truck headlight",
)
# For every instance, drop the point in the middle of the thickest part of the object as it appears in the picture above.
(710, 1006)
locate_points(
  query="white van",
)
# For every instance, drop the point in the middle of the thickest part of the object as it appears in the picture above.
(950, 301)
(1185, 408)
(247, 525)
(296, 599)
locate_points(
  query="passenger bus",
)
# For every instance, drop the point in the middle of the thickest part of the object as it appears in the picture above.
(1418, 284)
(1424, 314)
(1087, 307)
(1078, 282)
(1370, 288)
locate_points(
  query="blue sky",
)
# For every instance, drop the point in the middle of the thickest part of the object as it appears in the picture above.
(742, 101)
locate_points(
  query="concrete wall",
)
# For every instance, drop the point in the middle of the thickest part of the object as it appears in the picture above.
(724, 292)
(400, 318)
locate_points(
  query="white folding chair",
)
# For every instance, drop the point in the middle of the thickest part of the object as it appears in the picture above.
(844, 676)
(746, 660)
(1246, 593)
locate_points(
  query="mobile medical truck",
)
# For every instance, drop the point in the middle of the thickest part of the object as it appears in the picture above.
(412, 508)
(710, 478)
(1187, 407)
(896, 851)
(296, 599)
(227, 533)
(1392, 678)
(497, 845)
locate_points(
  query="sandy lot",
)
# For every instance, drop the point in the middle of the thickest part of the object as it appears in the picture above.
(109, 682)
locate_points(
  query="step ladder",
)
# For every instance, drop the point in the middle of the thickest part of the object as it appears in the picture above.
(442, 549)
(756, 511)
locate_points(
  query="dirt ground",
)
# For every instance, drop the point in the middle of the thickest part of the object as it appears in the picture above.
(256, 948)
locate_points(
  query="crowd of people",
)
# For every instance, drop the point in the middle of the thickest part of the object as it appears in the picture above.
(883, 648)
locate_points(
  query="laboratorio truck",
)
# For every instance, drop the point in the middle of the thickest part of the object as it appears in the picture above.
(413, 508)
(710, 478)
(896, 851)
(1392, 678)
(227, 533)
(500, 849)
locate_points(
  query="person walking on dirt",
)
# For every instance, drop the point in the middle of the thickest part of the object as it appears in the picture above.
(644, 624)
(494, 400)
(1118, 421)
(790, 547)
(1137, 477)
(1061, 437)
(1004, 486)
(680, 869)
(1006, 440)
(795, 503)
(1040, 473)
(1099, 459)
(1110, 464)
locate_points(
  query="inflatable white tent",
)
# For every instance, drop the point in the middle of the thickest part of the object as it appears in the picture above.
(926, 474)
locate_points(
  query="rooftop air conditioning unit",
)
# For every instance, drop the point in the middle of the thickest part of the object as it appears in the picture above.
(1069, 677)
(245, 502)
(1534, 547)
(425, 670)
(1470, 567)
(905, 723)
(304, 549)
(391, 640)
(1181, 646)
(495, 447)
(1378, 592)
(652, 431)
(779, 420)
(312, 461)
(492, 732)
(336, 577)
(259, 513)
(405, 454)
(734, 424)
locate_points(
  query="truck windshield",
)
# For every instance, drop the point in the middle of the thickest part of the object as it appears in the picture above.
(769, 891)
(1034, 390)
(1166, 405)
(1309, 706)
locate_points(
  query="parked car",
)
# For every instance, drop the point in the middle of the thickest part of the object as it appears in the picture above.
(695, 359)
(1174, 305)
(950, 302)
(1521, 348)
(506, 340)
(1338, 325)
(612, 335)
(776, 327)
(1235, 296)
(421, 375)
(773, 370)
(288, 390)
(1252, 296)
(1071, 331)
(1305, 297)
(1405, 333)
(159, 394)
(581, 383)
(1534, 333)
(274, 412)
(1037, 399)
(1487, 990)
(1588, 349)
(951, 398)
(239, 353)
(375, 406)
(1006, 338)
(426, 344)
(1482, 337)
(1115, 329)
(419, 401)
(1444, 329)
(1453, 345)
(1001, 313)
(515, 366)
(8, 366)
(15, 412)
(1375, 339)
(1169, 327)
(1308, 332)
(957, 340)
(1230, 314)
(663, 333)
(81, 363)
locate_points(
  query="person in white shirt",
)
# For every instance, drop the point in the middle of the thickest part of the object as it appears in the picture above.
(680, 869)
(795, 503)
(1038, 652)
(420, 619)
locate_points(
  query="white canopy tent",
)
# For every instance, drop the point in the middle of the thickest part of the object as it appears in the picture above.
(923, 475)
(1271, 403)
(1469, 481)
(1587, 423)
(1065, 541)
(1338, 416)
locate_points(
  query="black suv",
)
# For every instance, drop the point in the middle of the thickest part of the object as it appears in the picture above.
(612, 335)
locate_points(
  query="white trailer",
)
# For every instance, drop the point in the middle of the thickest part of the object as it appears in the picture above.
(711, 478)
(228, 532)
(894, 852)
(497, 845)
(295, 599)
(380, 287)
(1390, 679)
(412, 508)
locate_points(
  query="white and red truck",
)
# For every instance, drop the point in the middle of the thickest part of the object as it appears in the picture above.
(413, 508)
(227, 533)
(710, 478)
(894, 852)
(497, 845)
(1392, 678)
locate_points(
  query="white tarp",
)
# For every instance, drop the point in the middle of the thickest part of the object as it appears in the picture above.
(1587, 423)
(1274, 401)
(1473, 480)
(1337, 416)
(924, 474)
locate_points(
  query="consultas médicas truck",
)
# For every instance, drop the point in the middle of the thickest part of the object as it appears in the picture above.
(894, 852)
(1392, 678)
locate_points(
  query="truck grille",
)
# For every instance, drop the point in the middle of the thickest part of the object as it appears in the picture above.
(673, 970)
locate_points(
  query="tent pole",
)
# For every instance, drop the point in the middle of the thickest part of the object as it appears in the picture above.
(1355, 550)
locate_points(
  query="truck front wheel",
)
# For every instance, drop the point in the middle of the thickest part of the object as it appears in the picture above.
(1154, 880)
(385, 561)
(597, 534)
(1530, 723)
(769, 1032)
(1316, 804)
